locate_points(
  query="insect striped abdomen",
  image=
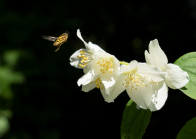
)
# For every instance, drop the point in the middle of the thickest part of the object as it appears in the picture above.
(61, 39)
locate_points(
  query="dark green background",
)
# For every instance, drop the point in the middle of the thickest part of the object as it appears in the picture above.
(49, 104)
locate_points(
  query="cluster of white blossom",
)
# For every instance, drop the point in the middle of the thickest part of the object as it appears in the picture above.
(146, 83)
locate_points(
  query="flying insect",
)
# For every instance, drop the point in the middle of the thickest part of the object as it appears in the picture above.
(58, 41)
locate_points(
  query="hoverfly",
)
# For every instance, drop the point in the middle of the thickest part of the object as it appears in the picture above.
(58, 41)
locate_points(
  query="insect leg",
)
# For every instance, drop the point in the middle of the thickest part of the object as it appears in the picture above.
(58, 47)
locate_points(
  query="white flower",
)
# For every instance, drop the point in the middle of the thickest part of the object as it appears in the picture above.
(83, 56)
(101, 73)
(141, 82)
(176, 78)
(100, 68)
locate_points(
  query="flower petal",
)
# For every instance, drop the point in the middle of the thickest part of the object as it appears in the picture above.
(90, 46)
(86, 79)
(151, 72)
(141, 96)
(80, 36)
(99, 56)
(87, 68)
(105, 96)
(94, 47)
(160, 96)
(117, 89)
(156, 57)
(176, 78)
(107, 82)
(74, 60)
(88, 87)
(149, 59)
(133, 66)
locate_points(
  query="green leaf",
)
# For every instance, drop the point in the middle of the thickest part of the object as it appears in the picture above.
(4, 125)
(7, 77)
(187, 63)
(11, 57)
(134, 121)
(188, 131)
(7, 113)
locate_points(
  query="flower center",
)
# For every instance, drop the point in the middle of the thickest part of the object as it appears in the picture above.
(85, 58)
(99, 83)
(105, 66)
(135, 81)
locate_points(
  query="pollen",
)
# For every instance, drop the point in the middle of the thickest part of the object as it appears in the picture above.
(105, 66)
(85, 58)
(82, 52)
(99, 83)
(135, 82)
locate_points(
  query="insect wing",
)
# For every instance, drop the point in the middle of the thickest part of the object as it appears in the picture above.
(49, 38)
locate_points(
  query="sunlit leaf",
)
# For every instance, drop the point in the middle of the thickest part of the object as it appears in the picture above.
(4, 125)
(11, 57)
(7, 77)
(188, 131)
(7, 113)
(187, 63)
(134, 121)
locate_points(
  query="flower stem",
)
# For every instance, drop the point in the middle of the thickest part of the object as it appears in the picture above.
(124, 63)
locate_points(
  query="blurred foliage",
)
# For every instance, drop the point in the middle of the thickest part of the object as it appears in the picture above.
(49, 104)
(7, 77)
(4, 125)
